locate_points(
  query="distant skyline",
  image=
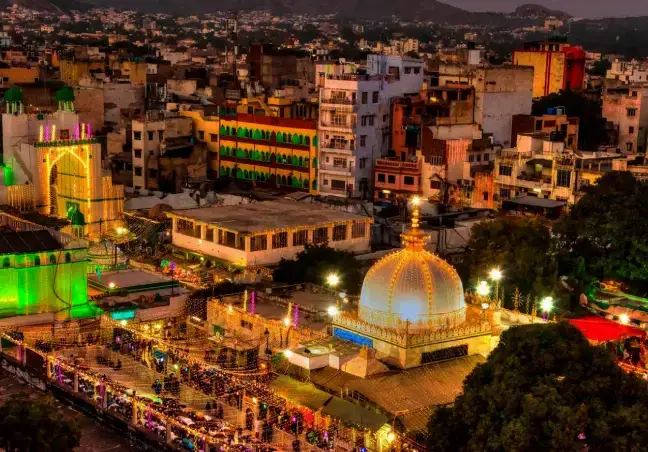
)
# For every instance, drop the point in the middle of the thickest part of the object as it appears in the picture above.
(579, 8)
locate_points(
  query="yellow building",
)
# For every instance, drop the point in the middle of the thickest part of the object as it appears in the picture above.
(267, 151)
(73, 70)
(12, 75)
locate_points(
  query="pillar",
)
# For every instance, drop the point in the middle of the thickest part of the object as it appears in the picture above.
(24, 354)
(76, 380)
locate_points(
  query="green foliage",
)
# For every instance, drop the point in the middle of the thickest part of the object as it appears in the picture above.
(521, 248)
(600, 68)
(36, 424)
(542, 387)
(604, 236)
(315, 263)
(591, 129)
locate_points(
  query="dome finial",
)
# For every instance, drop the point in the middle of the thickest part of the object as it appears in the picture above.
(414, 238)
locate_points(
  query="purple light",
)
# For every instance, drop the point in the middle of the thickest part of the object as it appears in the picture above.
(294, 419)
(59, 371)
(47, 133)
(296, 315)
(89, 130)
(77, 132)
(148, 415)
(252, 302)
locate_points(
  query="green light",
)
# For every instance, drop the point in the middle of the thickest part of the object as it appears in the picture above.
(8, 176)
(128, 314)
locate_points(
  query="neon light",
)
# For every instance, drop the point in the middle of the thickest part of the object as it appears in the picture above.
(353, 337)
(53, 132)
(128, 314)
(89, 131)
(252, 302)
(76, 132)
(296, 315)
(83, 131)
(47, 134)
(41, 132)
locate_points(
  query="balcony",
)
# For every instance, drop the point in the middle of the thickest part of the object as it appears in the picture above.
(339, 104)
(338, 170)
(391, 165)
(337, 147)
(349, 127)
(530, 182)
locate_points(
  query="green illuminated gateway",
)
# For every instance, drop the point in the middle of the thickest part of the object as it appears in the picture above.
(41, 271)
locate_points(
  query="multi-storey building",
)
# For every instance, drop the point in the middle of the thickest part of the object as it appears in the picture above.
(627, 72)
(154, 135)
(354, 121)
(557, 66)
(500, 93)
(268, 151)
(555, 120)
(543, 167)
(625, 106)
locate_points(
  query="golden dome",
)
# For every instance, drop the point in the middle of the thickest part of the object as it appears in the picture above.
(412, 285)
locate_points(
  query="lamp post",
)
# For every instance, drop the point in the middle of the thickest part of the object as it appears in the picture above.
(332, 281)
(496, 275)
(546, 305)
(483, 289)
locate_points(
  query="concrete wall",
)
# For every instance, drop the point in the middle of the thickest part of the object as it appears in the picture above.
(122, 96)
(89, 103)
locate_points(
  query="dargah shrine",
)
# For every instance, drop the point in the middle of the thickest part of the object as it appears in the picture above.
(412, 309)
(52, 163)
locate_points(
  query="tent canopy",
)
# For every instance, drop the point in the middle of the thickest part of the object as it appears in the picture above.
(598, 329)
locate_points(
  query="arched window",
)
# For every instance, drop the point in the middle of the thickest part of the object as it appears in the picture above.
(315, 141)
(68, 258)
(280, 137)
(52, 259)
(37, 260)
(314, 162)
(306, 141)
(306, 161)
(223, 130)
(223, 150)
(297, 139)
(6, 262)
(314, 184)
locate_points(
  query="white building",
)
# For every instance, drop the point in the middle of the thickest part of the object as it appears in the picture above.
(355, 121)
(627, 72)
(263, 233)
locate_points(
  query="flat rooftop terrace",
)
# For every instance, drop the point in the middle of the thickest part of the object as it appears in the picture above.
(265, 216)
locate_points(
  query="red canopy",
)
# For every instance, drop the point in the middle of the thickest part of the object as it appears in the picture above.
(599, 329)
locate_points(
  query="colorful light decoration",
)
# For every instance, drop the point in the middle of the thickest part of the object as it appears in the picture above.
(83, 131)
(53, 132)
(296, 315)
(483, 289)
(252, 302)
(47, 134)
(89, 131)
(41, 133)
(76, 131)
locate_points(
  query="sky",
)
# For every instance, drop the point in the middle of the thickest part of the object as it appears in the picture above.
(579, 8)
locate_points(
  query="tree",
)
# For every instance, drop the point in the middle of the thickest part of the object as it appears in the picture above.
(315, 263)
(36, 424)
(521, 248)
(603, 236)
(544, 388)
(600, 68)
(591, 129)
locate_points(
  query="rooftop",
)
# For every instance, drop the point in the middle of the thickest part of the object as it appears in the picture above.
(265, 216)
(18, 242)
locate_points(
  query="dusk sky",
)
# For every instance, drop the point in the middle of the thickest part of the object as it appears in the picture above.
(582, 8)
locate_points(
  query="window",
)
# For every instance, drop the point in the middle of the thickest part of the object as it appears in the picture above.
(201, 134)
(408, 180)
(629, 147)
(358, 230)
(37, 260)
(372, 118)
(209, 234)
(391, 179)
(339, 163)
(365, 97)
(259, 243)
(153, 173)
(471, 158)
(363, 140)
(505, 170)
(213, 137)
(52, 259)
(339, 232)
(385, 118)
(381, 177)
(374, 97)
(320, 235)
(338, 184)
(279, 240)
(150, 135)
(634, 93)
(138, 153)
(538, 124)
(6, 263)
(138, 170)
(161, 134)
(485, 196)
(326, 182)
(631, 130)
(363, 162)
(68, 258)
(408, 70)
(300, 238)
(564, 178)
(632, 112)
(444, 354)
(478, 156)
(486, 157)
(505, 193)
(363, 120)
(417, 70)
(137, 135)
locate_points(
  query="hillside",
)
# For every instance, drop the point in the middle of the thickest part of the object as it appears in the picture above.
(533, 11)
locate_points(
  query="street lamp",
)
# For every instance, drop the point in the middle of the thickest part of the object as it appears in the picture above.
(483, 289)
(623, 318)
(496, 275)
(333, 311)
(546, 305)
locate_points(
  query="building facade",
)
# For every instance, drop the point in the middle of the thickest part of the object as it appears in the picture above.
(263, 233)
(625, 106)
(553, 121)
(557, 66)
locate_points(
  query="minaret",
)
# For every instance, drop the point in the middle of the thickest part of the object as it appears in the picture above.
(414, 239)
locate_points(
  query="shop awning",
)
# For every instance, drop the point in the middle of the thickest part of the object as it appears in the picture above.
(598, 329)
(304, 394)
(354, 414)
